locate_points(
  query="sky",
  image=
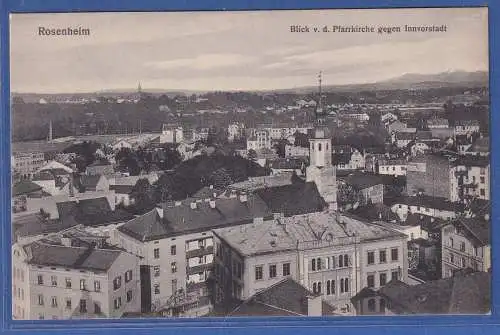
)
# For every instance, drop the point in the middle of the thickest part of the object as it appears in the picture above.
(238, 50)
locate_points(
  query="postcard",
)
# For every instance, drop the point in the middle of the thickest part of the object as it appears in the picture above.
(250, 163)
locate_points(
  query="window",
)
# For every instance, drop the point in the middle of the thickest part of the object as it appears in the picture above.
(319, 146)
(117, 283)
(156, 271)
(97, 308)
(41, 317)
(346, 260)
(173, 267)
(463, 262)
(450, 242)
(371, 305)
(118, 303)
(370, 281)
(129, 296)
(53, 280)
(53, 302)
(371, 257)
(83, 306)
(97, 286)
(462, 246)
(68, 303)
(382, 305)
(482, 180)
(40, 280)
(395, 275)
(394, 254)
(346, 285)
(83, 286)
(40, 299)
(157, 288)
(156, 253)
(382, 256)
(313, 265)
(201, 244)
(258, 273)
(317, 287)
(452, 258)
(286, 269)
(68, 282)
(482, 171)
(482, 192)
(341, 261)
(383, 279)
(272, 271)
(128, 276)
(173, 250)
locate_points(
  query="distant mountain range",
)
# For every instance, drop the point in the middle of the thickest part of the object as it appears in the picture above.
(406, 81)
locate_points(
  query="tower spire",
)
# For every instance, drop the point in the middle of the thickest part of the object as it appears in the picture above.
(139, 88)
(50, 132)
(319, 108)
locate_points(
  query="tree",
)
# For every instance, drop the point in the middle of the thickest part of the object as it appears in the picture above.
(220, 179)
(301, 140)
(348, 196)
(143, 194)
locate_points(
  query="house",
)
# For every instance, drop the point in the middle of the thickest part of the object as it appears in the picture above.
(396, 126)
(388, 118)
(171, 133)
(287, 165)
(235, 131)
(349, 159)
(73, 277)
(55, 182)
(429, 175)
(437, 123)
(296, 151)
(393, 167)
(480, 147)
(57, 167)
(121, 144)
(464, 127)
(423, 259)
(176, 244)
(23, 190)
(466, 244)
(25, 164)
(200, 134)
(286, 298)
(470, 178)
(437, 207)
(123, 194)
(260, 140)
(100, 167)
(402, 139)
(318, 250)
(93, 183)
(371, 187)
(465, 293)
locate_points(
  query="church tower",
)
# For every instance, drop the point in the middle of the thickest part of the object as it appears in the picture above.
(320, 169)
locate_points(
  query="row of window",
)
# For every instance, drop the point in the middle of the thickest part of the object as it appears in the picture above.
(273, 271)
(370, 278)
(318, 264)
(83, 303)
(156, 287)
(156, 251)
(18, 274)
(382, 256)
(157, 270)
(451, 244)
(331, 287)
(68, 283)
(117, 282)
(18, 292)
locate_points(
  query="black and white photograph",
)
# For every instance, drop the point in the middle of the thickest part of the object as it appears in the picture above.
(318, 163)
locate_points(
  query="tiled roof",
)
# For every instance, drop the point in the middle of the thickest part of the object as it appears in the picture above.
(102, 162)
(282, 299)
(478, 228)
(426, 201)
(89, 182)
(343, 158)
(92, 212)
(293, 199)
(461, 294)
(43, 175)
(34, 224)
(427, 222)
(362, 181)
(472, 161)
(287, 163)
(182, 219)
(122, 189)
(207, 193)
(71, 257)
(374, 212)
(25, 187)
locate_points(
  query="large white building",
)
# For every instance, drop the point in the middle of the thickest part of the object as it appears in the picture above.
(68, 277)
(333, 256)
(171, 134)
(259, 141)
(470, 178)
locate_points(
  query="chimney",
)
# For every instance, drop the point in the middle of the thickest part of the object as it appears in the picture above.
(212, 203)
(193, 205)
(243, 197)
(314, 306)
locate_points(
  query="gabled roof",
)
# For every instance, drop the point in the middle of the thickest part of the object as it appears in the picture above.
(461, 294)
(285, 298)
(182, 219)
(89, 182)
(100, 162)
(477, 161)
(362, 181)
(25, 187)
(293, 199)
(71, 257)
(477, 228)
(36, 224)
(427, 201)
(287, 163)
(92, 212)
